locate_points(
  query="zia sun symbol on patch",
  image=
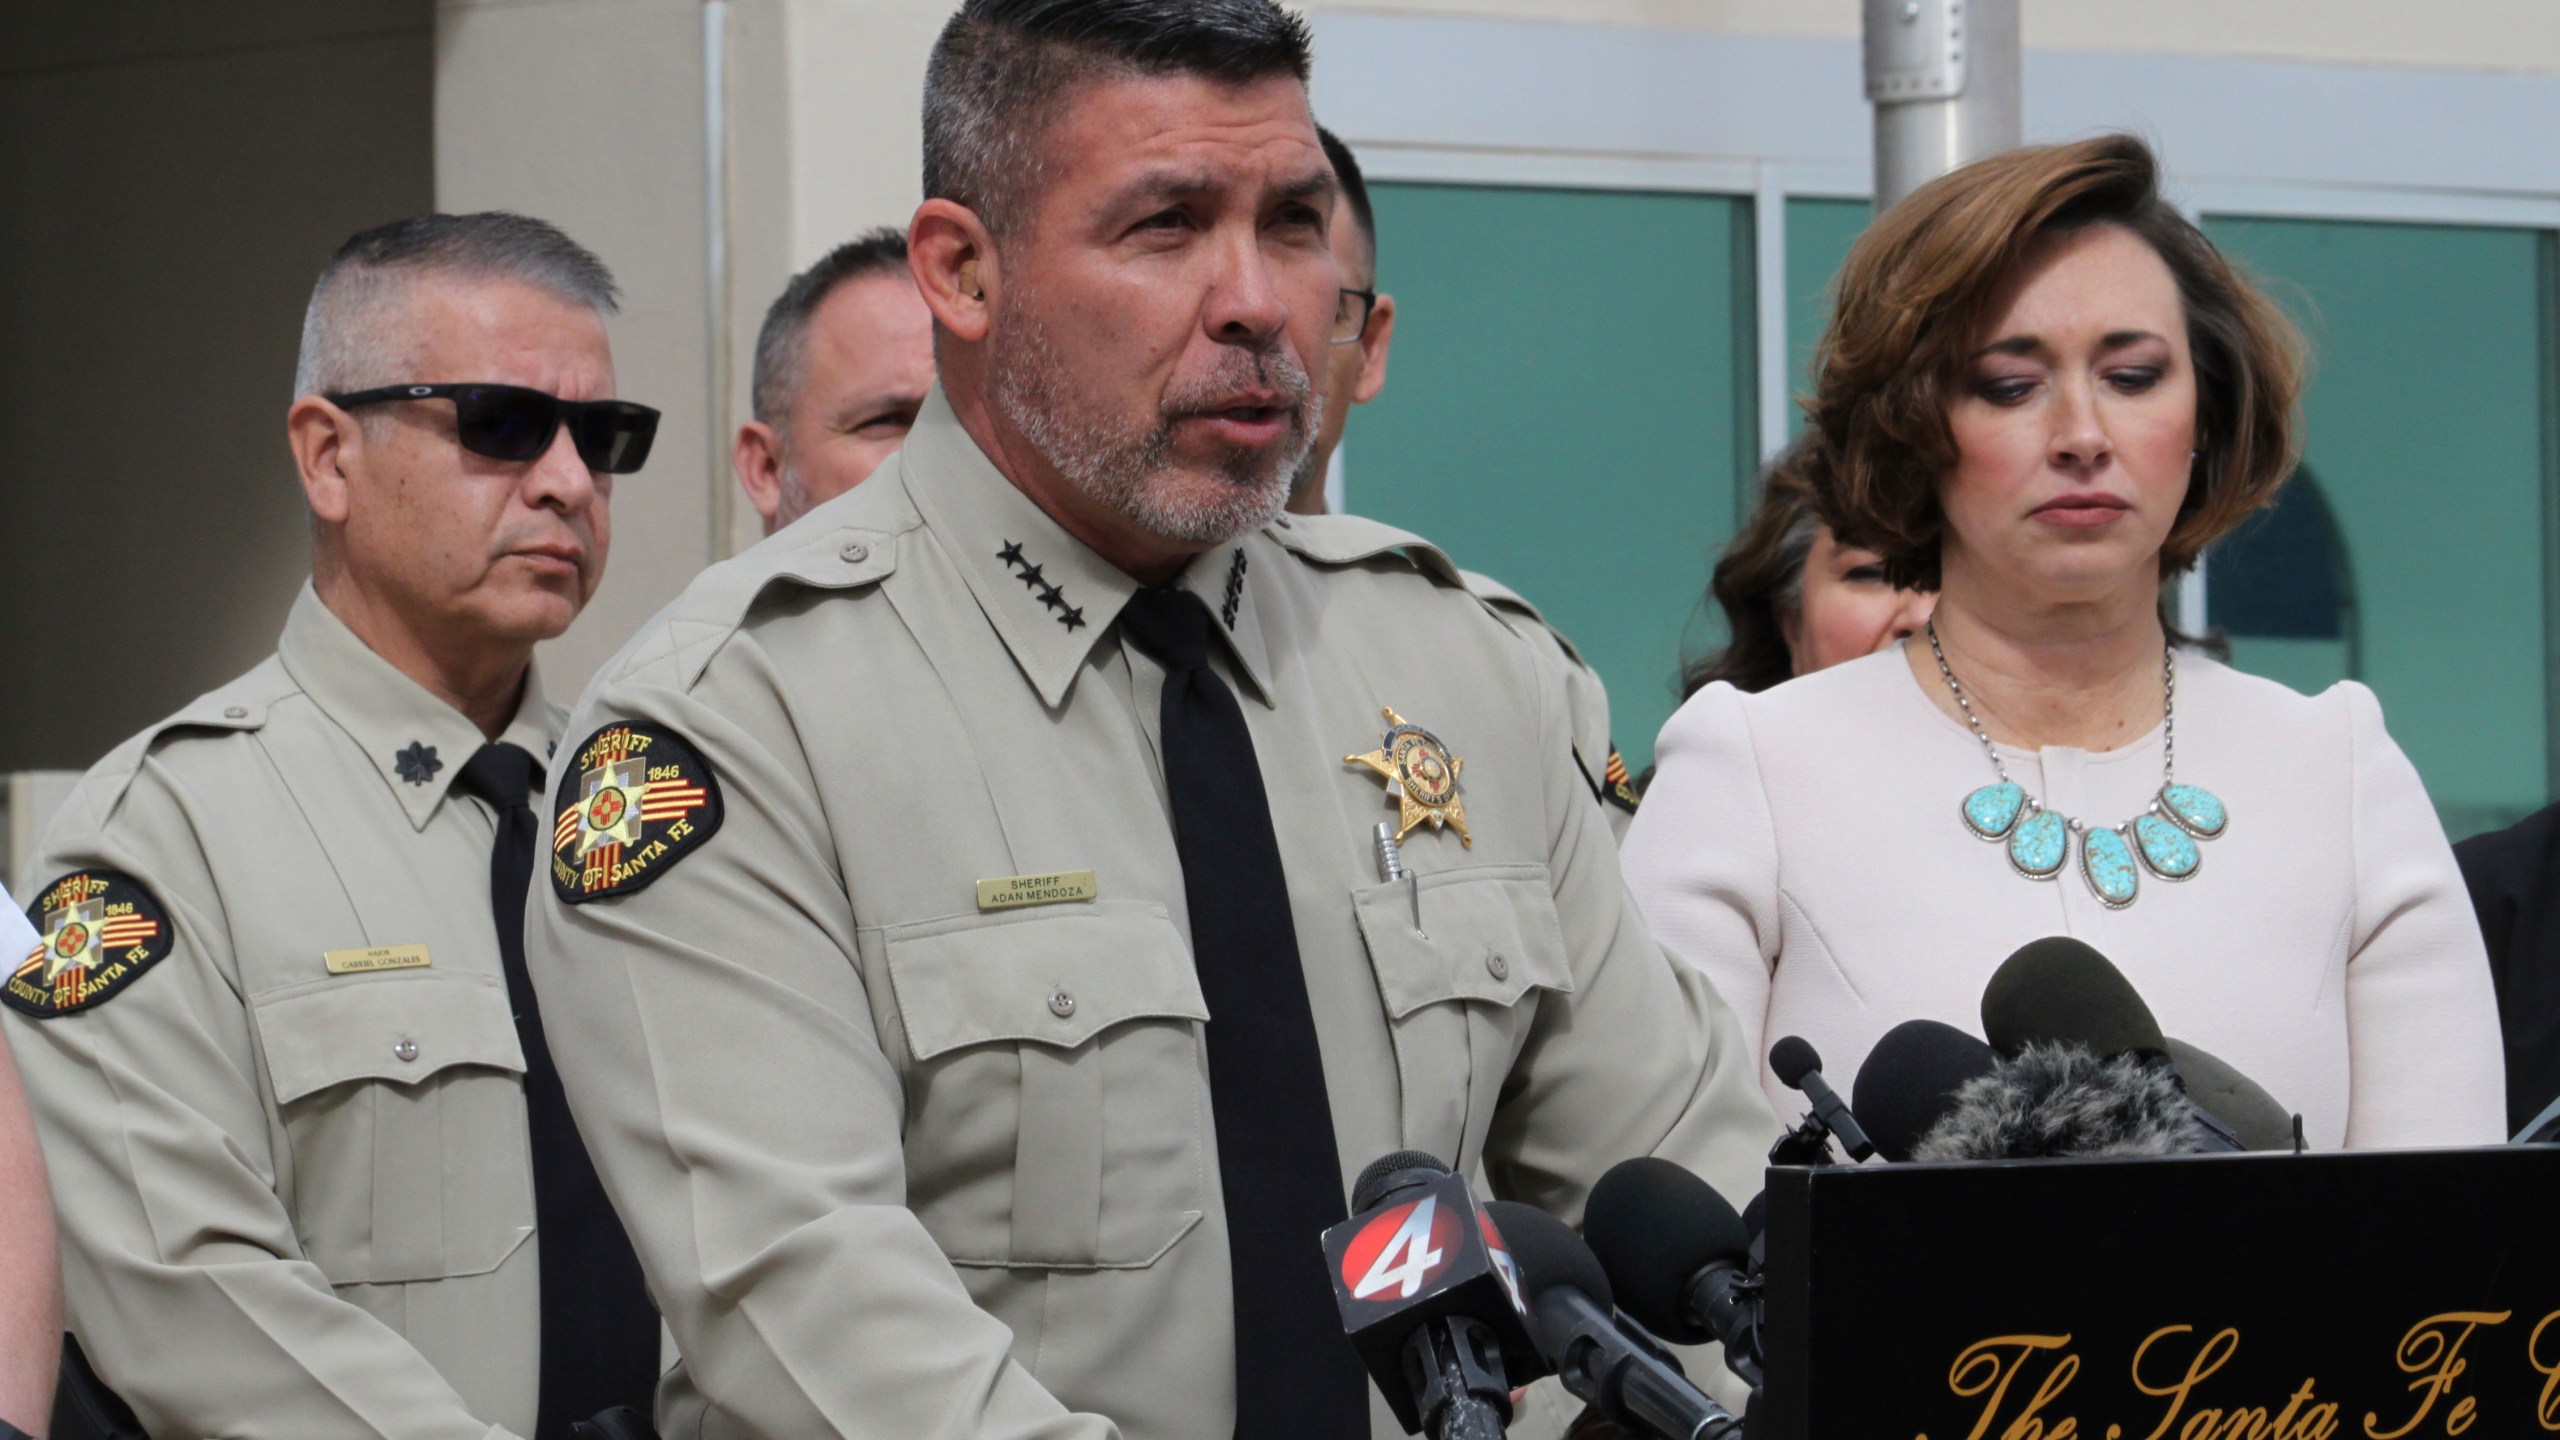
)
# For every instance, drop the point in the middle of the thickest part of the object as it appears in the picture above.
(1422, 777)
(99, 930)
(637, 800)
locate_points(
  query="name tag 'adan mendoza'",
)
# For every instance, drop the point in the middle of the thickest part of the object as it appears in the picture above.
(902, 1158)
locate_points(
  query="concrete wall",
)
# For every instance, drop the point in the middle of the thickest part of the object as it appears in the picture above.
(2506, 35)
(175, 173)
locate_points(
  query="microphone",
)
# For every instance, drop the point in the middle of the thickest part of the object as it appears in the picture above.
(1430, 1297)
(1679, 1259)
(2257, 1118)
(1908, 1082)
(2059, 991)
(1569, 1306)
(2055, 1101)
(1798, 1067)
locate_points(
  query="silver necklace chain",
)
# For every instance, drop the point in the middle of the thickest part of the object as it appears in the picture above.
(2168, 717)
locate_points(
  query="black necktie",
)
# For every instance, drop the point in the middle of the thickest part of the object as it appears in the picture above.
(1297, 1378)
(599, 1331)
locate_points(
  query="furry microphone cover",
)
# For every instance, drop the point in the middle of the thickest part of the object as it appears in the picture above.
(2060, 1100)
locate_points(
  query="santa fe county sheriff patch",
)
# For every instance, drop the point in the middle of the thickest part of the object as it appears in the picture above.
(99, 931)
(1616, 788)
(634, 800)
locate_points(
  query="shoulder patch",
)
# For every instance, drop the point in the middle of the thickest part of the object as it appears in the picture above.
(1616, 787)
(634, 800)
(98, 931)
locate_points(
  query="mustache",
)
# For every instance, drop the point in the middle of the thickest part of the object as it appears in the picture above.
(1270, 369)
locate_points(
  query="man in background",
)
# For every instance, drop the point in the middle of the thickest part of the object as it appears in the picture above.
(314, 1171)
(842, 365)
(1353, 374)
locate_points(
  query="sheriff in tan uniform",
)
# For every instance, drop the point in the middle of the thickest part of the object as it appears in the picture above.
(892, 1058)
(279, 1085)
(314, 1173)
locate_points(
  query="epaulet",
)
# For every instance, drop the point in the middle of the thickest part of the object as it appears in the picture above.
(1350, 539)
(1508, 604)
(849, 542)
(241, 705)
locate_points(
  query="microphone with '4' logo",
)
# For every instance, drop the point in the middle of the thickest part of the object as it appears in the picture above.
(1431, 1298)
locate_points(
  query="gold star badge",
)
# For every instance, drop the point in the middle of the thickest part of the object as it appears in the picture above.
(1422, 775)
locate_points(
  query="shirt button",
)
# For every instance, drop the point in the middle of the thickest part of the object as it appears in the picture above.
(1497, 967)
(235, 712)
(856, 552)
(406, 1049)
(1061, 1004)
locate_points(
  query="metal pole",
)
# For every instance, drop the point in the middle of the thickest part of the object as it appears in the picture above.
(1943, 76)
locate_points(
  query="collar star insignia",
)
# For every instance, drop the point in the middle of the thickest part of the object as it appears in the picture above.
(1421, 775)
(1072, 619)
(417, 764)
(1031, 576)
(1011, 554)
(1053, 597)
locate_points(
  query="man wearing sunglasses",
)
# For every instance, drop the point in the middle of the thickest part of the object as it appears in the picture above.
(314, 1168)
(990, 994)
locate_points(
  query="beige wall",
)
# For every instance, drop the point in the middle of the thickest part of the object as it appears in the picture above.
(175, 173)
(2512, 35)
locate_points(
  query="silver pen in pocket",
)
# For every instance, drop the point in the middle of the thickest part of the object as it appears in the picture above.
(1391, 869)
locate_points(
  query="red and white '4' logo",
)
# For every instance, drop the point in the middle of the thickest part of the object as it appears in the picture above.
(1400, 1251)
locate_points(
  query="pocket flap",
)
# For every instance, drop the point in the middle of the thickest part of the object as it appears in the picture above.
(1058, 978)
(397, 1027)
(1487, 934)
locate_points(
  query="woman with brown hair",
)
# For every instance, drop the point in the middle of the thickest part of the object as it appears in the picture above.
(1796, 599)
(2043, 392)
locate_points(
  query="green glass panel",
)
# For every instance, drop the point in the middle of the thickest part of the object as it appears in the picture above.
(2424, 427)
(1819, 234)
(1567, 406)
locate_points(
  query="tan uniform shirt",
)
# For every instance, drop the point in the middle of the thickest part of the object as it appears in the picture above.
(908, 1159)
(289, 1148)
(1595, 746)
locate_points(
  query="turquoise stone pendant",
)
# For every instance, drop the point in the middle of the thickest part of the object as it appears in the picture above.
(2166, 850)
(2106, 862)
(2039, 845)
(1992, 811)
(2196, 810)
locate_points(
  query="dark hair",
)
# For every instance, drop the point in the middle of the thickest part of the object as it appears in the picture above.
(1001, 67)
(782, 345)
(1917, 288)
(1759, 580)
(1355, 190)
(354, 319)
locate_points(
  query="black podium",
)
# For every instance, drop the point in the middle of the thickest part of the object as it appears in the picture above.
(2408, 1295)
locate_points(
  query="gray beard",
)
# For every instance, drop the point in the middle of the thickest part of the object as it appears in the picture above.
(1121, 467)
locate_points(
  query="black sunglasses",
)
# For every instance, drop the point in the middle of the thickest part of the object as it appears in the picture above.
(511, 422)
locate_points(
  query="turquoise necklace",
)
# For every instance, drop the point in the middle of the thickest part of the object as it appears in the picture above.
(2162, 839)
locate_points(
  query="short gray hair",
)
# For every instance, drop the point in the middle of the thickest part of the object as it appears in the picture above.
(782, 345)
(996, 76)
(351, 327)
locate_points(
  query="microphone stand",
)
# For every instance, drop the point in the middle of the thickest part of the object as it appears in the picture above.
(1809, 1143)
(1457, 1396)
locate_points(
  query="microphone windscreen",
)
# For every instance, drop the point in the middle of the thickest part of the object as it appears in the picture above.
(1548, 1253)
(2258, 1118)
(2060, 1100)
(1389, 1172)
(1792, 1059)
(1654, 1225)
(2058, 991)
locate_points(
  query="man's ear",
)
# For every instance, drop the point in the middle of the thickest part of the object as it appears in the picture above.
(757, 457)
(327, 443)
(953, 259)
(1373, 350)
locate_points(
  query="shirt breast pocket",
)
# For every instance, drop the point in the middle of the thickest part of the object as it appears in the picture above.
(1057, 1092)
(403, 1099)
(1461, 991)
